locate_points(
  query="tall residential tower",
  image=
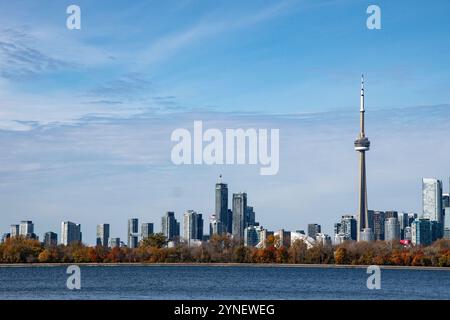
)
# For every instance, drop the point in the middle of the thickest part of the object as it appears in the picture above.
(222, 207)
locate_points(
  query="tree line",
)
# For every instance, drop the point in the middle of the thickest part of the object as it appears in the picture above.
(223, 249)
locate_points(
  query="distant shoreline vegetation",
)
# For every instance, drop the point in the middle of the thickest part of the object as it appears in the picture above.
(223, 249)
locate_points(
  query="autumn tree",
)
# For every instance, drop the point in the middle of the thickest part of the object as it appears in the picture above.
(341, 256)
(297, 252)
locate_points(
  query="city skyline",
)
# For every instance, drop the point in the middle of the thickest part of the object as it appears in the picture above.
(194, 224)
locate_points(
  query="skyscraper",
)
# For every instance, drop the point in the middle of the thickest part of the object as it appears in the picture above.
(252, 235)
(70, 233)
(323, 239)
(313, 230)
(432, 199)
(222, 206)
(169, 226)
(437, 230)
(390, 214)
(132, 233)
(378, 225)
(366, 235)
(230, 221)
(239, 215)
(214, 225)
(103, 234)
(445, 200)
(146, 230)
(50, 239)
(192, 226)
(421, 233)
(348, 227)
(114, 242)
(26, 228)
(392, 229)
(283, 238)
(14, 230)
(250, 217)
(362, 145)
(337, 228)
(404, 222)
(447, 223)
(407, 235)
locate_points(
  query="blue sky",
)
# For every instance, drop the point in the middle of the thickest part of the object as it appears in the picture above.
(86, 115)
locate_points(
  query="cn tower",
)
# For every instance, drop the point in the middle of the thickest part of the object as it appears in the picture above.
(362, 145)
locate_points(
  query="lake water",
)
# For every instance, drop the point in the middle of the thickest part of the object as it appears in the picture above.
(221, 282)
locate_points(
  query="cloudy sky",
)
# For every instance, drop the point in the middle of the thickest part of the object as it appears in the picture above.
(86, 115)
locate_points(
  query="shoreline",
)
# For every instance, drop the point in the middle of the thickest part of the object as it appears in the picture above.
(204, 264)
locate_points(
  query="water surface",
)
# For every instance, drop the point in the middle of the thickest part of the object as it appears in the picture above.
(221, 282)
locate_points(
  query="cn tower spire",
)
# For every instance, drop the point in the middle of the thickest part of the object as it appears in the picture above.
(362, 108)
(362, 93)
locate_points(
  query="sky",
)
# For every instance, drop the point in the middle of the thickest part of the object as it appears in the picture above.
(86, 115)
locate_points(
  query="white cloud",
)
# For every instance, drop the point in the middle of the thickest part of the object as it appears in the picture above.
(169, 45)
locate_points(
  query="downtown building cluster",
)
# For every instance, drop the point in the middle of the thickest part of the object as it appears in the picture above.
(419, 229)
(239, 221)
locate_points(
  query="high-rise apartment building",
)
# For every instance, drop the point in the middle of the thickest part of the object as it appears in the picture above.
(421, 233)
(313, 230)
(146, 230)
(214, 225)
(323, 239)
(283, 237)
(264, 236)
(50, 239)
(445, 200)
(250, 217)
(14, 230)
(392, 229)
(239, 215)
(403, 220)
(378, 225)
(447, 223)
(133, 233)
(170, 226)
(222, 206)
(114, 242)
(252, 235)
(192, 226)
(366, 235)
(230, 221)
(102, 235)
(390, 214)
(432, 199)
(337, 228)
(26, 228)
(407, 233)
(70, 233)
(349, 227)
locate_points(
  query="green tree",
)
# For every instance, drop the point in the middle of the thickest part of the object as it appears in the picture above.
(156, 240)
